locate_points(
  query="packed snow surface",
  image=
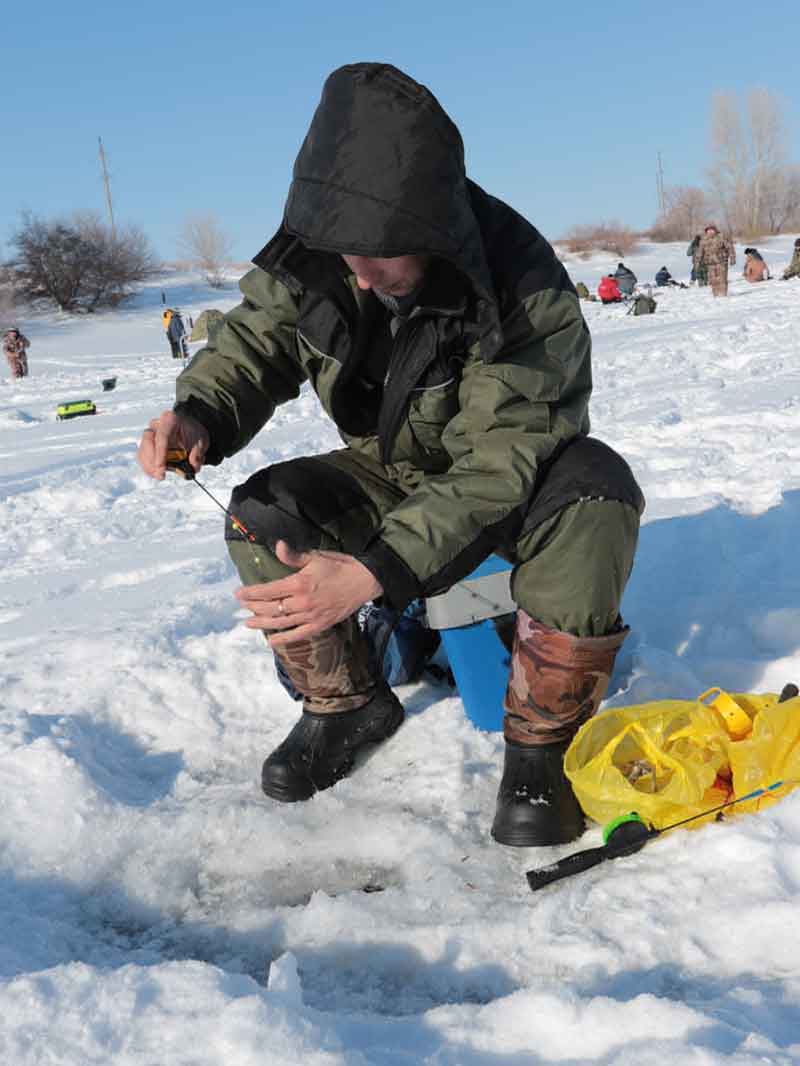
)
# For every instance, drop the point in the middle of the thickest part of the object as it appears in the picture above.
(156, 908)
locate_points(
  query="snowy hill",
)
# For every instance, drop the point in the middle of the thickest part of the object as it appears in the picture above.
(156, 908)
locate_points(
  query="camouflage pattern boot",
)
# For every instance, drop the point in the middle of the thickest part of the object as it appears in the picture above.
(557, 683)
(345, 710)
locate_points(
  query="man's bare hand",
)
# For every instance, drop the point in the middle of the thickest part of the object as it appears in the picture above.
(170, 431)
(327, 587)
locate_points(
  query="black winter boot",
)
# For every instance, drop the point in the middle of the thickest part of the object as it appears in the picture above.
(535, 804)
(321, 748)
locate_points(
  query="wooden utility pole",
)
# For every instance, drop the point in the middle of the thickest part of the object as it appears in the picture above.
(662, 203)
(108, 188)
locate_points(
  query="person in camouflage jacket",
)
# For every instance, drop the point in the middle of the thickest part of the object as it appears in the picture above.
(716, 253)
(446, 342)
(793, 269)
(15, 349)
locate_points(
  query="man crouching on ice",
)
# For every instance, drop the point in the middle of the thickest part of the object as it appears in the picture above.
(445, 340)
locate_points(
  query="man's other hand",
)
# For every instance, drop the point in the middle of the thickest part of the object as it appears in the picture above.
(326, 587)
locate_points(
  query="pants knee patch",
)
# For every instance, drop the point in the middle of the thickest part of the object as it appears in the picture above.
(583, 470)
(295, 501)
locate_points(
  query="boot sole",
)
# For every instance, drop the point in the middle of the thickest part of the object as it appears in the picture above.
(287, 794)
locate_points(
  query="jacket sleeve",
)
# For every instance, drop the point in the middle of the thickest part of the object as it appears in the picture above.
(513, 413)
(233, 385)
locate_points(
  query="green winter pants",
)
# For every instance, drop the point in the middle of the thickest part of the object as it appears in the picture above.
(570, 568)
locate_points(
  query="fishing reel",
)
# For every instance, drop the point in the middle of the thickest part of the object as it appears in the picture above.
(178, 463)
(624, 836)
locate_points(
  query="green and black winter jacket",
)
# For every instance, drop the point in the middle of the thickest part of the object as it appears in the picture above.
(464, 400)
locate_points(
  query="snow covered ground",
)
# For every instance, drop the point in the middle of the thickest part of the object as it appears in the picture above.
(157, 909)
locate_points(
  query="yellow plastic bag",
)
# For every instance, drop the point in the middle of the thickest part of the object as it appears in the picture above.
(674, 759)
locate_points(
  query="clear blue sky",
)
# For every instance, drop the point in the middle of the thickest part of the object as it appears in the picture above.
(202, 106)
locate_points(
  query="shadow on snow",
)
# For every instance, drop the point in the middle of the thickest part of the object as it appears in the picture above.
(720, 586)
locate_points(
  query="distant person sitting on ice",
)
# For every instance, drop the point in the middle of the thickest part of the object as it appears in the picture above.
(625, 278)
(793, 269)
(176, 332)
(446, 342)
(608, 290)
(15, 348)
(716, 253)
(663, 277)
(755, 269)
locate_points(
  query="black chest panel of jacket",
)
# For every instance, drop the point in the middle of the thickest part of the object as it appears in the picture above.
(383, 362)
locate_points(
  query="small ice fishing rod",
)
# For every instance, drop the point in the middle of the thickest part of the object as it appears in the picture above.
(178, 463)
(629, 834)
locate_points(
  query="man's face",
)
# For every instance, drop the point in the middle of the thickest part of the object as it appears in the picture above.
(711, 229)
(397, 276)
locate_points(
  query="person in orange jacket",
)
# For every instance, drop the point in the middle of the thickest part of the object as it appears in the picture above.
(755, 269)
(176, 332)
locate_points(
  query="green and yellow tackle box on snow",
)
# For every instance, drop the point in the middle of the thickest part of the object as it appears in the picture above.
(75, 408)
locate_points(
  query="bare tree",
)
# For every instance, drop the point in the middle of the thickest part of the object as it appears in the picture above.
(684, 212)
(767, 147)
(748, 160)
(50, 261)
(781, 199)
(119, 258)
(79, 263)
(729, 158)
(207, 245)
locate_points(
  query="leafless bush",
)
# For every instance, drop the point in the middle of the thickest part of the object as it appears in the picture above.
(208, 247)
(119, 260)
(685, 212)
(79, 264)
(603, 237)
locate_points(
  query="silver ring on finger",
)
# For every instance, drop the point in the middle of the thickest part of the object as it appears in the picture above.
(281, 608)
